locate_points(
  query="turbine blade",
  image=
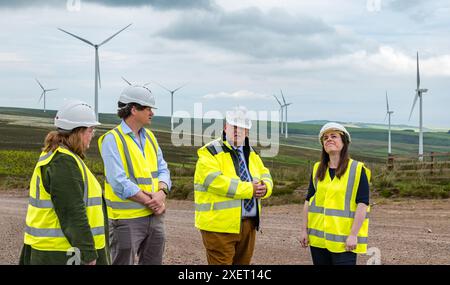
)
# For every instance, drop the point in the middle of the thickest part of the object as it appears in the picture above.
(385, 117)
(128, 82)
(108, 39)
(146, 83)
(75, 36)
(277, 100)
(163, 87)
(418, 74)
(414, 104)
(39, 84)
(47, 90)
(282, 96)
(42, 95)
(387, 103)
(179, 87)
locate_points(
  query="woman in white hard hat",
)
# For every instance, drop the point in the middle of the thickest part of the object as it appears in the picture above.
(335, 214)
(65, 222)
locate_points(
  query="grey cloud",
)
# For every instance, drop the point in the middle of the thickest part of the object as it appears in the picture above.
(275, 34)
(157, 4)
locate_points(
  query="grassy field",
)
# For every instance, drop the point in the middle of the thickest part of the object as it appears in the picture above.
(23, 131)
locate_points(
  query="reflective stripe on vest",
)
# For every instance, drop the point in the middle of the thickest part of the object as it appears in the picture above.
(218, 205)
(332, 237)
(58, 232)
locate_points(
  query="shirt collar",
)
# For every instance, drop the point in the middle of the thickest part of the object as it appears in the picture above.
(126, 129)
(240, 148)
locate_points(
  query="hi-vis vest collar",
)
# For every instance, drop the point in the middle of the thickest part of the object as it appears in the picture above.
(221, 145)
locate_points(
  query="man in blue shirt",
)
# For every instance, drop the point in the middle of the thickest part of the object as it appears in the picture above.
(131, 171)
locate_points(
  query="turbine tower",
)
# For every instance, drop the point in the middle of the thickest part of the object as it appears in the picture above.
(388, 114)
(419, 93)
(285, 114)
(97, 63)
(44, 92)
(171, 101)
(281, 114)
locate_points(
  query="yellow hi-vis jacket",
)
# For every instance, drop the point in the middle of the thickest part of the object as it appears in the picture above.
(43, 229)
(142, 171)
(219, 190)
(332, 209)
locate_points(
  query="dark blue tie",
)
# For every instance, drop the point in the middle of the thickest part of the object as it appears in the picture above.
(248, 203)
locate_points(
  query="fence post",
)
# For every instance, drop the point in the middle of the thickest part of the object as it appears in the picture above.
(390, 162)
(432, 162)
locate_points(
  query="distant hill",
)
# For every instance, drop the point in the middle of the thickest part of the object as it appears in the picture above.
(374, 126)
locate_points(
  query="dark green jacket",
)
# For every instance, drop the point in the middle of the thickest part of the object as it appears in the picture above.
(63, 181)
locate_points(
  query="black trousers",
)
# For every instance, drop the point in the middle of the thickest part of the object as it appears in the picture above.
(322, 256)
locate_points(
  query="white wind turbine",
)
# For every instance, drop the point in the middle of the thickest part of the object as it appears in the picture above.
(281, 113)
(285, 114)
(419, 93)
(44, 92)
(97, 63)
(171, 101)
(388, 114)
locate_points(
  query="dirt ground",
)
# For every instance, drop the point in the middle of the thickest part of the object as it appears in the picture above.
(404, 232)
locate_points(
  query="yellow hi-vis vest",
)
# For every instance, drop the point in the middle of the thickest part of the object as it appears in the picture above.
(218, 190)
(142, 171)
(43, 230)
(332, 209)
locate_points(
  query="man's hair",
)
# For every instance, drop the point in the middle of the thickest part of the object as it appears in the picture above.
(124, 110)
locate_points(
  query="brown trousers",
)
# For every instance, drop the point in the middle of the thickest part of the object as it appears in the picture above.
(230, 249)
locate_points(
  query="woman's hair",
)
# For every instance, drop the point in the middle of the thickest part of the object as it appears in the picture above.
(71, 140)
(343, 160)
(124, 110)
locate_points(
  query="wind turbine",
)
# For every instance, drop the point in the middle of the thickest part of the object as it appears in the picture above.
(44, 92)
(419, 93)
(285, 114)
(97, 63)
(171, 101)
(388, 114)
(281, 113)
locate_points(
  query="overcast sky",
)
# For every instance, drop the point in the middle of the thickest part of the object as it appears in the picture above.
(334, 60)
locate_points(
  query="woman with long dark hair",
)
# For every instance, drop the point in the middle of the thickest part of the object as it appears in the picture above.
(335, 214)
(65, 222)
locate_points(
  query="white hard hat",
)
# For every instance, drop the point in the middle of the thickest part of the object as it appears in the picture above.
(333, 127)
(239, 117)
(138, 94)
(75, 114)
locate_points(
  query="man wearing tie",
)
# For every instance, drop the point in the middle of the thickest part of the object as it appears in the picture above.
(230, 179)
